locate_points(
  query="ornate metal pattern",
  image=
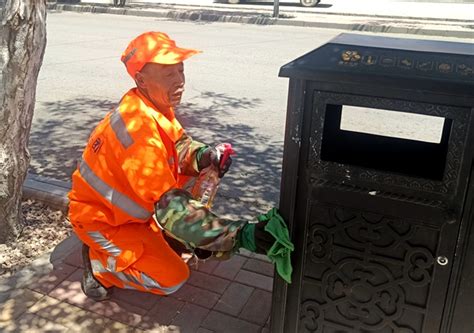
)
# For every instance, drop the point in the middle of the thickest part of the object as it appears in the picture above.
(380, 179)
(314, 181)
(365, 272)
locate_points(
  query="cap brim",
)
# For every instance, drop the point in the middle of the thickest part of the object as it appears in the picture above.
(173, 56)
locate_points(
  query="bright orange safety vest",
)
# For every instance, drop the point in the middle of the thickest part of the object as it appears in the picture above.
(128, 163)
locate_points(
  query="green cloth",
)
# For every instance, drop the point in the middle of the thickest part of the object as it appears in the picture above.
(247, 237)
(281, 250)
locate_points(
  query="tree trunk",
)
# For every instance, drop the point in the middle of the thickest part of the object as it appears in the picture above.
(22, 44)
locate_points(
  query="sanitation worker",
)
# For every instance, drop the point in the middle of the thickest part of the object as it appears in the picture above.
(127, 204)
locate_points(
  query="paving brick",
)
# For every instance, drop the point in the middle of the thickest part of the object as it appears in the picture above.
(204, 330)
(75, 257)
(190, 318)
(207, 266)
(228, 269)
(47, 282)
(118, 311)
(245, 253)
(197, 296)
(72, 317)
(161, 314)
(63, 249)
(255, 280)
(161, 329)
(261, 257)
(69, 290)
(258, 307)
(17, 303)
(30, 323)
(222, 323)
(208, 282)
(141, 299)
(234, 299)
(260, 267)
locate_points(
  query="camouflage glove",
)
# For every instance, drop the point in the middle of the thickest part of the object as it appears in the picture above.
(193, 225)
(207, 156)
(270, 236)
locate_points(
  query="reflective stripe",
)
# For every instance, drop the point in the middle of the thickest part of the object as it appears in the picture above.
(132, 279)
(126, 279)
(150, 283)
(104, 243)
(111, 264)
(120, 129)
(113, 196)
(97, 267)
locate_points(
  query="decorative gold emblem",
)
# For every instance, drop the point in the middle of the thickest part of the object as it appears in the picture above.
(445, 67)
(350, 56)
(464, 69)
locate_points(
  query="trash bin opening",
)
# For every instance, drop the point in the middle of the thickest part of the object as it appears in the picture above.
(387, 140)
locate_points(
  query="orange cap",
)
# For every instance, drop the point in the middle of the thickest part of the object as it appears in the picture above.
(155, 47)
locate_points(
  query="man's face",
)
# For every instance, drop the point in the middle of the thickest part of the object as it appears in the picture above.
(162, 84)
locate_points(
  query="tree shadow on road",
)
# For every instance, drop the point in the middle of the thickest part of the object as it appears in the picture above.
(252, 185)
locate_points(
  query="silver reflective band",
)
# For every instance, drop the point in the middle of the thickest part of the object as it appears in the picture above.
(104, 243)
(150, 283)
(132, 279)
(120, 129)
(116, 198)
(122, 277)
(97, 267)
(111, 264)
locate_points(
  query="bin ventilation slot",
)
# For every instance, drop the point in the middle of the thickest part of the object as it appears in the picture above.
(399, 142)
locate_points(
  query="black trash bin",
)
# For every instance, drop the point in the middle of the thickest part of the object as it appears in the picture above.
(377, 188)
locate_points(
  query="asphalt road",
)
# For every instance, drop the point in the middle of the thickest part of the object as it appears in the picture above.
(233, 94)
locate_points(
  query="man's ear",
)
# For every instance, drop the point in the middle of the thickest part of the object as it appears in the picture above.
(140, 80)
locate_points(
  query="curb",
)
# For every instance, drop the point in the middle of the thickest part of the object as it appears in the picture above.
(50, 191)
(373, 24)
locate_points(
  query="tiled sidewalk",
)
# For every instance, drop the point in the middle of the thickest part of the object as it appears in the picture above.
(230, 296)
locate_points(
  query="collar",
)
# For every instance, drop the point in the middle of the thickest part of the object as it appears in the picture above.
(170, 125)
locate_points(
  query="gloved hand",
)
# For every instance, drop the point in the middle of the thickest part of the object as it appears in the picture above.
(269, 236)
(253, 237)
(263, 240)
(209, 155)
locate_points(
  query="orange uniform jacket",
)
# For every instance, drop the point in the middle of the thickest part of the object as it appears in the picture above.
(128, 163)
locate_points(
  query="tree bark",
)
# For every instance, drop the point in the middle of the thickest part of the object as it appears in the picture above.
(22, 44)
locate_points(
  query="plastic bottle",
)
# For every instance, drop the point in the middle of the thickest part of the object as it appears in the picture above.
(206, 185)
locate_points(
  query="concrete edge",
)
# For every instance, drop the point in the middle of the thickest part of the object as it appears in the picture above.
(51, 192)
(261, 19)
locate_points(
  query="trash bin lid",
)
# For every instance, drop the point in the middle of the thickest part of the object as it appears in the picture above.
(363, 59)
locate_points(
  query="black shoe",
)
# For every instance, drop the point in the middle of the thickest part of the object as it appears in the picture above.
(89, 285)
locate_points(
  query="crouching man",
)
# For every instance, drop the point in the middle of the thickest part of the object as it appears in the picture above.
(127, 204)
